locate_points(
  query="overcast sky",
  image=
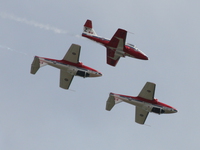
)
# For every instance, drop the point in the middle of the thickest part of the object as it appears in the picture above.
(35, 114)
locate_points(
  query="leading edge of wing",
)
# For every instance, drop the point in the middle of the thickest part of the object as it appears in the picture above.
(73, 53)
(148, 91)
(140, 115)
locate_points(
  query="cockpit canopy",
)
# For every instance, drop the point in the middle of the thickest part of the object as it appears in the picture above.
(132, 46)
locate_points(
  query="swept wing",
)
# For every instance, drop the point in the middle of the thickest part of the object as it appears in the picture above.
(65, 79)
(73, 53)
(112, 59)
(116, 46)
(140, 115)
(148, 91)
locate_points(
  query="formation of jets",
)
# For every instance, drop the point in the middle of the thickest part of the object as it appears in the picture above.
(116, 47)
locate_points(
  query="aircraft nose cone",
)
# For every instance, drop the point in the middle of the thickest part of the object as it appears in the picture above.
(96, 74)
(144, 57)
(174, 111)
(99, 74)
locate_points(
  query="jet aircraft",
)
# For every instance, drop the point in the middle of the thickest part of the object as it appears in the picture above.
(69, 66)
(144, 102)
(116, 47)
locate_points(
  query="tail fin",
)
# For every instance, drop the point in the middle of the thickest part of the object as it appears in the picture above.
(112, 100)
(88, 28)
(36, 64)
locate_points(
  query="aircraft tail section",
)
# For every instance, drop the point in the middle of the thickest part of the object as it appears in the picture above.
(88, 28)
(36, 64)
(112, 100)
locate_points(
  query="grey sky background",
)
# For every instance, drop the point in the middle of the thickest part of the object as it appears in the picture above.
(36, 114)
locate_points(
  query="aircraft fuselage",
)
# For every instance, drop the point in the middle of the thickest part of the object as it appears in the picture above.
(77, 69)
(148, 105)
(128, 50)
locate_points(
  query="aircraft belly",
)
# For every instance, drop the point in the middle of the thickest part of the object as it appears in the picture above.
(70, 69)
(58, 65)
(133, 101)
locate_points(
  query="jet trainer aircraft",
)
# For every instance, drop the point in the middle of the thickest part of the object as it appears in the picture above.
(69, 66)
(116, 47)
(144, 102)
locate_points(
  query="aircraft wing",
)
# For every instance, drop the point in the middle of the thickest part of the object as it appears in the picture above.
(148, 91)
(115, 46)
(140, 115)
(118, 40)
(65, 79)
(112, 59)
(73, 53)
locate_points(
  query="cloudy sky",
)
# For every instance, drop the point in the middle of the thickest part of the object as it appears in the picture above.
(35, 114)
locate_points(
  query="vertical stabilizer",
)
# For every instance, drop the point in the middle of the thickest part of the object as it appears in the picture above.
(112, 100)
(36, 64)
(88, 28)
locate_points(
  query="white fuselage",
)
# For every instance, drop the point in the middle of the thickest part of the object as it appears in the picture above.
(71, 69)
(155, 106)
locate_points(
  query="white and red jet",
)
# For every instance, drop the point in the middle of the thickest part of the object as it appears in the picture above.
(144, 102)
(116, 47)
(69, 66)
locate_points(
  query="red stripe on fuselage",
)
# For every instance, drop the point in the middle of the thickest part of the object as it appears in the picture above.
(78, 65)
(96, 39)
(155, 101)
